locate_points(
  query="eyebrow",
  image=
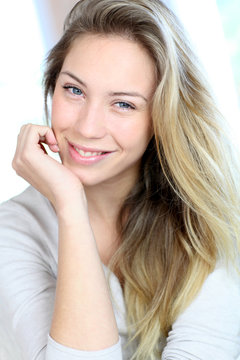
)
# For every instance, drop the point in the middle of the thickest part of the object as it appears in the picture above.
(73, 77)
(112, 93)
(134, 94)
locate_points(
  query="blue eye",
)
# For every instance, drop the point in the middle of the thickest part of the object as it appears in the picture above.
(74, 90)
(124, 105)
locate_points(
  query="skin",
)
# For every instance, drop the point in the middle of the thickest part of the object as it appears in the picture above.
(90, 110)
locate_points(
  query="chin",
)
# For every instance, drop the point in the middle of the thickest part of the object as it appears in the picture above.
(88, 181)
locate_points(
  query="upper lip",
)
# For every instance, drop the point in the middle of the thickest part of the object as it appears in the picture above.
(88, 149)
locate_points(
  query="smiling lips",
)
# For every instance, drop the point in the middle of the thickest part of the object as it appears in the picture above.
(86, 156)
(88, 153)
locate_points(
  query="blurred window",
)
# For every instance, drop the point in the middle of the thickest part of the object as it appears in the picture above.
(230, 16)
(21, 62)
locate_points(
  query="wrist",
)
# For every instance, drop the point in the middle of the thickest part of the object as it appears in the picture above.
(72, 209)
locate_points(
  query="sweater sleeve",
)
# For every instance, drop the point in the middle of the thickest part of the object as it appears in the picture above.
(209, 328)
(28, 282)
(56, 351)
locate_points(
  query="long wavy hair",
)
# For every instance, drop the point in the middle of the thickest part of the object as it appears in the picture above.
(182, 216)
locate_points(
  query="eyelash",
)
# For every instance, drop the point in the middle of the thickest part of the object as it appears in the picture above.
(129, 106)
(126, 106)
(68, 87)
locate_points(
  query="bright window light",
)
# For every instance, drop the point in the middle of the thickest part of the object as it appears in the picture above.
(21, 64)
(230, 16)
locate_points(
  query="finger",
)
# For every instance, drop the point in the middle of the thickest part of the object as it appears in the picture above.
(31, 139)
(54, 148)
(50, 139)
(46, 135)
(32, 135)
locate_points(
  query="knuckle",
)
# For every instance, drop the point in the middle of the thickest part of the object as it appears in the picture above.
(24, 156)
(15, 165)
(23, 127)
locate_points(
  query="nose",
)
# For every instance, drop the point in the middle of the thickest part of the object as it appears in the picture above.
(90, 121)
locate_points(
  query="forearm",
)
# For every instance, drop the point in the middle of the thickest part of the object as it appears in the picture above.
(83, 316)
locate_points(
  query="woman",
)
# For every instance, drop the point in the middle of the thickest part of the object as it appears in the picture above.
(145, 188)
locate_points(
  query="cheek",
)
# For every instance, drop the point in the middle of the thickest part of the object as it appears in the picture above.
(135, 136)
(57, 113)
(62, 115)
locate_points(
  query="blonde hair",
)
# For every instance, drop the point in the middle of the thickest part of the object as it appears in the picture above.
(182, 217)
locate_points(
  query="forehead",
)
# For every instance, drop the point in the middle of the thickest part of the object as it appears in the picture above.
(110, 57)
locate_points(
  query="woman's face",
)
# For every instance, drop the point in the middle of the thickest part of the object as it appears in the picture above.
(101, 109)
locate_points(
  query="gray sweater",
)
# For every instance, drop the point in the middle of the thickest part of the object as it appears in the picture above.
(209, 329)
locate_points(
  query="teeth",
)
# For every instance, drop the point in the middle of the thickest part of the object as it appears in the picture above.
(87, 153)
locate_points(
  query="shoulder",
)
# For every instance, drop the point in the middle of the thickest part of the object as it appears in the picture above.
(217, 300)
(25, 208)
(220, 289)
(210, 326)
(30, 202)
(28, 222)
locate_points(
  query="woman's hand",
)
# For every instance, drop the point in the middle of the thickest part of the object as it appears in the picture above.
(47, 175)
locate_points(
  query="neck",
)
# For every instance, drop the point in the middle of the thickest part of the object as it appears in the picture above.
(105, 200)
(104, 204)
